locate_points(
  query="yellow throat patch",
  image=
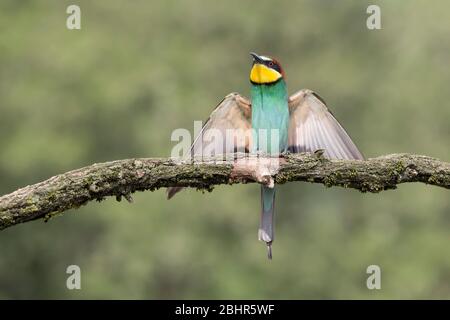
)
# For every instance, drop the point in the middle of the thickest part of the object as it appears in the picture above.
(263, 74)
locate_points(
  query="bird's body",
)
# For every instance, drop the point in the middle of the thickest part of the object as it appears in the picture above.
(270, 123)
(298, 123)
(270, 112)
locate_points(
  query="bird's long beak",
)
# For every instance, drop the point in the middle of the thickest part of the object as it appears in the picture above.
(256, 58)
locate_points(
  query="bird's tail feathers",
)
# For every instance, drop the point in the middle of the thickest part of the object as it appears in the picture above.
(266, 232)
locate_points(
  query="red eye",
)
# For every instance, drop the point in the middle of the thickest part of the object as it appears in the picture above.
(270, 64)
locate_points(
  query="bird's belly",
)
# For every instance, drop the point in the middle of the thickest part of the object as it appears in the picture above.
(270, 132)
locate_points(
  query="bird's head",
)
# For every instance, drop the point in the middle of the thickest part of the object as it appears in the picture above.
(265, 70)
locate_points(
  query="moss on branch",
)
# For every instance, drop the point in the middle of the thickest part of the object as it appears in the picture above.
(123, 177)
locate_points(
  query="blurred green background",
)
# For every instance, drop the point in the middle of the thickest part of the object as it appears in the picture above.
(139, 69)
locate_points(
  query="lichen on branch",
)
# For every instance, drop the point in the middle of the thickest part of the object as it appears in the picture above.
(123, 177)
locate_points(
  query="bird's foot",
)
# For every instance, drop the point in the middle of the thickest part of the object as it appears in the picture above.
(285, 154)
(319, 153)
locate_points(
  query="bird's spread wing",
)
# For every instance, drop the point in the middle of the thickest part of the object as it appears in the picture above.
(313, 127)
(233, 113)
(230, 120)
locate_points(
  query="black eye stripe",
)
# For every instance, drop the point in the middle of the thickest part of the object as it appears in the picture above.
(270, 64)
(273, 65)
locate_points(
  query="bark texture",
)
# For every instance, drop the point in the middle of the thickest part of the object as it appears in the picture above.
(123, 177)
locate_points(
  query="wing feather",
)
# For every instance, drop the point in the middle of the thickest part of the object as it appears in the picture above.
(233, 112)
(312, 126)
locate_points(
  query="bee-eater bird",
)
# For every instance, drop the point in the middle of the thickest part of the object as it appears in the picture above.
(302, 123)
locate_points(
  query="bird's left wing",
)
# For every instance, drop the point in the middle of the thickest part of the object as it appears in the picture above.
(313, 127)
(231, 119)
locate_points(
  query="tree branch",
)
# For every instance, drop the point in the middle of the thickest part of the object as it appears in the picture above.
(123, 177)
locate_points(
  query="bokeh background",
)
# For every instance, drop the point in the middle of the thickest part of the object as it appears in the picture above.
(139, 69)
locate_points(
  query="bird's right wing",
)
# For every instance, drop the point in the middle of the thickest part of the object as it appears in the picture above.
(227, 130)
